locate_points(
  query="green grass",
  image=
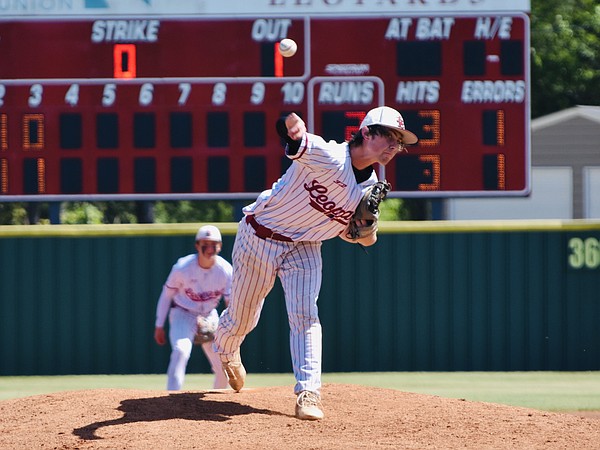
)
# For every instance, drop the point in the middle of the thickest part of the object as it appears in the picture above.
(550, 391)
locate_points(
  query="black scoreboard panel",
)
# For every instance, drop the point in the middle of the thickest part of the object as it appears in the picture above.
(132, 107)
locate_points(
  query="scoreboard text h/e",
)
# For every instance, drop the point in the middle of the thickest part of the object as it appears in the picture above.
(176, 107)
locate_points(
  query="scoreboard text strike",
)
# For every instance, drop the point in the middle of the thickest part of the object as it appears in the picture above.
(174, 107)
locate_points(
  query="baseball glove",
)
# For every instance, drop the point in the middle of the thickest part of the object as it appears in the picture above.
(365, 218)
(206, 330)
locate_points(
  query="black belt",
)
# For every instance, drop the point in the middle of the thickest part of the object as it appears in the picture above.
(264, 232)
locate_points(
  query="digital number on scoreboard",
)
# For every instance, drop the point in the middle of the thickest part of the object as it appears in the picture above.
(173, 107)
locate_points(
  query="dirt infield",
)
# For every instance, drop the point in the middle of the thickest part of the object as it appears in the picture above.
(356, 418)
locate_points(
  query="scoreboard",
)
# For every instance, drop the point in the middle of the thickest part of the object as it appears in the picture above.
(134, 107)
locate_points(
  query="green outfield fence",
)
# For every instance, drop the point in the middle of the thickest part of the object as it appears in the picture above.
(429, 296)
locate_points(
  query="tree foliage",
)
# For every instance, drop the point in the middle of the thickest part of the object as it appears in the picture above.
(118, 212)
(565, 44)
(194, 211)
(147, 212)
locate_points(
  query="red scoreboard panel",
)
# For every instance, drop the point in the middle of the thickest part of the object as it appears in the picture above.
(186, 107)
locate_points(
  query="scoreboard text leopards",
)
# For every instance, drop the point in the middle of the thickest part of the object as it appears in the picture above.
(165, 107)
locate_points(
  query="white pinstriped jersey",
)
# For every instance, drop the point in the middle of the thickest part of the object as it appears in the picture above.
(194, 288)
(316, 197)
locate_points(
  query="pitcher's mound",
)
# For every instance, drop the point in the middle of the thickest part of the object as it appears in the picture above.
(356, 417)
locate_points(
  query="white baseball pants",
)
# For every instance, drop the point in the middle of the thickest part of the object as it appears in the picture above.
(256, 263)
(182, 329)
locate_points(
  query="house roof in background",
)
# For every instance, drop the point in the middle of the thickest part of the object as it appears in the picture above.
(580, 111)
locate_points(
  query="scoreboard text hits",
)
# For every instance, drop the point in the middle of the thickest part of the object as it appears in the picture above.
(176, 107)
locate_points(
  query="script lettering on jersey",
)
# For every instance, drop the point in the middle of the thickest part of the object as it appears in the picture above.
(321, 202)
(125, 30)
(203, 296)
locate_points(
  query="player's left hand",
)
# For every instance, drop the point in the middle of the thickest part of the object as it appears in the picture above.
(362, 228)
(159, 336)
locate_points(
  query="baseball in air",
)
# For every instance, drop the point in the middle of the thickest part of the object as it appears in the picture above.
(288, 47)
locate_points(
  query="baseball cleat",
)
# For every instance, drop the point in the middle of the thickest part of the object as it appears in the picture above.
(235, 373)
(308, 406)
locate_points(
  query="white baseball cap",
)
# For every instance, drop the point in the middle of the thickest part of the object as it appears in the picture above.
(390, 118)
(208, 233)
